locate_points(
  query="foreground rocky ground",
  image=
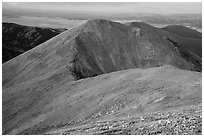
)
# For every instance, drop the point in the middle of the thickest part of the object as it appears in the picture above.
(184, 122)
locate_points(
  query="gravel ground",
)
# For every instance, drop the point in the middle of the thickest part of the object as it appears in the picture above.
(185, 122)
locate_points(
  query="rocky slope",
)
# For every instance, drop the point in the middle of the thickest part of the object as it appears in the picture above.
(181, 122)
(40, 93)
(56, 105)
(17, 39)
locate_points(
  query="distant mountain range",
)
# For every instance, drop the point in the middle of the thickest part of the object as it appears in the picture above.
(51, 86)
(17, 39)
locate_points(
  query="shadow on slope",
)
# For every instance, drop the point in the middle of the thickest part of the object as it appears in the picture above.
(17, 39)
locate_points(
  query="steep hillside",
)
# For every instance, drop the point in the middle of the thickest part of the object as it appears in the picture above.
(16, 39)
(194, 46)
(97, 47)
(56, 105)
(183, 31)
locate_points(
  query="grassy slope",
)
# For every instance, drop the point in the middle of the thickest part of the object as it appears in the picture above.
(52, 103)
(183, 31)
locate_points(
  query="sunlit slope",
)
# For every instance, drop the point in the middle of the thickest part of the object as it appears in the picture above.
(51, 103)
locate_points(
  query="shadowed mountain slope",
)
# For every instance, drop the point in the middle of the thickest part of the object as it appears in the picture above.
(54, 103)
(16, 39)
(183, 31)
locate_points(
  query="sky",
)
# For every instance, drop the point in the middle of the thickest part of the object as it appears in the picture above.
(108, 7)
(61, 13)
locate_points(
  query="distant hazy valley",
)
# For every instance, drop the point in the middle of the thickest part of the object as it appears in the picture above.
(189, 20)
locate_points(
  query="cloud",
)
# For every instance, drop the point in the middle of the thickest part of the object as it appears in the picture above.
(12, 3)
(110, 7)
(59, 14)
(55, 22)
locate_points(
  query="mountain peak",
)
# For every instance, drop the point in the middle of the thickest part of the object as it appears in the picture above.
(102, 23)
(96, 47)
(98, 21)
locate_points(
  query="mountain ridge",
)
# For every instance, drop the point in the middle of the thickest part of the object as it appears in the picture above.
(92, 49)
(183, 31)
(16, 39)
